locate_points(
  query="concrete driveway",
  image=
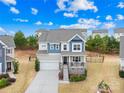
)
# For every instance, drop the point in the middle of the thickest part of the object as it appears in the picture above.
(46, 81)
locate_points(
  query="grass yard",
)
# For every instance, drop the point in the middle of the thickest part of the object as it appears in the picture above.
(107, 71)
(25, 75)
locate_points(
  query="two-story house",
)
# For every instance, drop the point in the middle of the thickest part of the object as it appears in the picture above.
(118, 32)
(62, 49)
(7, 46)
(101, 32)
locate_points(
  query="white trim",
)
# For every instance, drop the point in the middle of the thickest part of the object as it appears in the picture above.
(75, 36)
(62, 46)
(3, 43)
(76, 44)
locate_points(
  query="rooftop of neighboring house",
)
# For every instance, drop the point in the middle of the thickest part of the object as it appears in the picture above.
(122, 46)
(100, 31)
(119, 30)
(60, 35)
(7, 40)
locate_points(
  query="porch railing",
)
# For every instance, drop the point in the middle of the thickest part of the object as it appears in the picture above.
(77, 64)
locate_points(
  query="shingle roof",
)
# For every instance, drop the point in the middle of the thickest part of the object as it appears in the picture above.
(7, 40)
(100, 31)
(122, 46)
(59, 35)
(119, 30)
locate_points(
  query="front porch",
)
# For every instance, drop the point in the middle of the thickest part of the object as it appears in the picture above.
(72, 65)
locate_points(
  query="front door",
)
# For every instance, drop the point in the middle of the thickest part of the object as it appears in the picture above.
(8, 66)
(65, 60)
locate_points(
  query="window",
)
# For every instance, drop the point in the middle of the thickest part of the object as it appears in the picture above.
(57, 46)
(64, 47)
(51, 46)
(76, 47)
(9, 51)
(76, 59)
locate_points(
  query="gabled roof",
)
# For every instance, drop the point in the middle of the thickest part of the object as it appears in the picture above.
(100, 31)
(7, 40)
(122, 46)
(119, 30)
(60, 35)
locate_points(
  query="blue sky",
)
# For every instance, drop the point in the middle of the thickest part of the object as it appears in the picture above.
(30, 15)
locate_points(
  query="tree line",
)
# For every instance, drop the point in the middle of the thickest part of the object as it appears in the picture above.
(23, 42)
(104, 44)
(97, 44)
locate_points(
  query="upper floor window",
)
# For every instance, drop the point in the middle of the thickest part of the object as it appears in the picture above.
(57, 46)
(76, 47)
(9, 51)
(51, 46)
(65, 47)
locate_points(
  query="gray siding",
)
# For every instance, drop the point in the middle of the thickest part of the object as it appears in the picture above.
(122, 46)
(54, 50)
(2, 58)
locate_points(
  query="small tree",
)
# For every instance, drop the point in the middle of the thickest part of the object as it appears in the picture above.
(37, 65)
(16, 66)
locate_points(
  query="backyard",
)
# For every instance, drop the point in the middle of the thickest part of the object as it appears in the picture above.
(107, 71)
(25, 75)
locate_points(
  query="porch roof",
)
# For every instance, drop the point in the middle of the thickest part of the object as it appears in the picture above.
(73, 53)
(9, 59)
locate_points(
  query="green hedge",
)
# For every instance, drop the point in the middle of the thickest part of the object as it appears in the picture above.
(4, 82)
(121, 74)
(37, 65)
(77, 78)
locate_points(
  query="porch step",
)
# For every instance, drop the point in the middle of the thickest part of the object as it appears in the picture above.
(65, 73)
(11, 75)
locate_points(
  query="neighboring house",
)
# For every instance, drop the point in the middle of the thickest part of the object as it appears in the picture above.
(102, 33)
(62, 50)
(118, 32)
(122, 53)
(7, 46)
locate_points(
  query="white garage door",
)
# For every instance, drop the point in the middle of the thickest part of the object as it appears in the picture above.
(49, 62)
(49, 65)
(0, 68)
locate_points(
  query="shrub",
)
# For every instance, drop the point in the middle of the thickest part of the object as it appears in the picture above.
(4, 76)
(4, 82)
(77, 78)
(121, 74)
(16, 66)
(37, 65)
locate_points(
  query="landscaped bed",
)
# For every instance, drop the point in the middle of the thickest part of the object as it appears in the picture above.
(5, 80)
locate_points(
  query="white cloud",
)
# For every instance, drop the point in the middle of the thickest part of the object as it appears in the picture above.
(69, 15)
(120, 17)
(14, 10)
(83, 23)
(120, 5)
(2, 30)
(109, 25)
(50, 23)
(108, 17)
(12, 2)
(98, 17)
(38, 23)
(76, 5)
(34, 11)
(21, 20)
